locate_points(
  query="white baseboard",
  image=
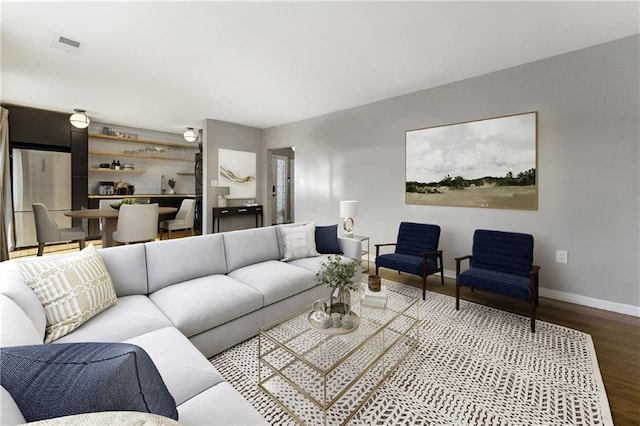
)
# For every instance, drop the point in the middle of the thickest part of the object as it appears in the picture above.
(620, 308)
(578, 299)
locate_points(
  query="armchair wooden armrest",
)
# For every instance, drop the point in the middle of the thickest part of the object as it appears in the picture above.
(459, 260)
(428, 253)
(382, 245)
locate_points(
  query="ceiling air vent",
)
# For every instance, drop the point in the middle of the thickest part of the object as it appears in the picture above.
(68, 44)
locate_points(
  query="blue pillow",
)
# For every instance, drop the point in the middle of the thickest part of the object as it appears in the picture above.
(48, 381)
(327, 240)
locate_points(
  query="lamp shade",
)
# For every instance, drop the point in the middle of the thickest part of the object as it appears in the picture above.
(190, 135)
(79, 119)
(348, 208)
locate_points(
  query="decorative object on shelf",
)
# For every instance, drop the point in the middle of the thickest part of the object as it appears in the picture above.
(221, 191)
(190, 135)
(79, 119)
(374, 299)
(172, 186)
(338, 274)
(124, 188)
(374, 283)
(348, 210)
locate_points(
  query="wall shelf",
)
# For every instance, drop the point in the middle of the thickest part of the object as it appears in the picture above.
(101, 170)
(150, 157)
(144, 141)
(186, 174)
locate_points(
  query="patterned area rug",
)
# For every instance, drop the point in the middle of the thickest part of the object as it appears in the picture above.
(477, 365)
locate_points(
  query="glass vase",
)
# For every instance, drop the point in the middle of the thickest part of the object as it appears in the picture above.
(341, 301)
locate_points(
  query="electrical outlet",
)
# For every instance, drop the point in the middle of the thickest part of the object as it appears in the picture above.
(562, 256)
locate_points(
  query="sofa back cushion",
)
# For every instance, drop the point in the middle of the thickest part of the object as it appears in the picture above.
(127, 266)
(14, 287)
(249, 246)
(16, 328)
(175, 261)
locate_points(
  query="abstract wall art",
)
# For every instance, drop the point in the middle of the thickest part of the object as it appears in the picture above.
(237, 170)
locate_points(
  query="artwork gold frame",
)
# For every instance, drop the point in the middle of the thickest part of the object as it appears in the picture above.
(489, 163)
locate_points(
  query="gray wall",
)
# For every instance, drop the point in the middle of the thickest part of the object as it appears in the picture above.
(588, 161)
(220, 134)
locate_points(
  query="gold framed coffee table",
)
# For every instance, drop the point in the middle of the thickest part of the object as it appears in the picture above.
(321, 378)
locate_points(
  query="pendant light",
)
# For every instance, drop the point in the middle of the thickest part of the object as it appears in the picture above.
(79, 119)
(190, 135)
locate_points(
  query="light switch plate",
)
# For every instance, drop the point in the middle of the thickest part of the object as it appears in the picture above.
(562, 256)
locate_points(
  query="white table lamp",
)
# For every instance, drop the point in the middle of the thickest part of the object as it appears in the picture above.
(348, 210)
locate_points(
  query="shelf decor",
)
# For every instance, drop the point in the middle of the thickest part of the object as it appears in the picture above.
(488, 163)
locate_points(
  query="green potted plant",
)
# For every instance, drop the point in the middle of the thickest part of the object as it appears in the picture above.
(338, 275)
(172, 184)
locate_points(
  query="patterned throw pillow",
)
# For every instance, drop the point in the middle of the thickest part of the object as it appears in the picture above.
(72, 290)
(299, 241)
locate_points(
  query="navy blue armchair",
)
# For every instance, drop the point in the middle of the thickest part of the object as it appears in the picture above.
(416, 252)
(501, 263)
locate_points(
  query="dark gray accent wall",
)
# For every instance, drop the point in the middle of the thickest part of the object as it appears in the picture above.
(588, 105)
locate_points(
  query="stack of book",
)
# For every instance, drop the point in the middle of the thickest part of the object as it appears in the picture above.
(374, 299)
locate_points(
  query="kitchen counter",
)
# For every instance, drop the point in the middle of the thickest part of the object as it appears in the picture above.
(143, 196)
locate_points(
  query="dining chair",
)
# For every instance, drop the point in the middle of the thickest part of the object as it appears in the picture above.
(105, 204)
(183, 220)
(136, 223)
(47, 230)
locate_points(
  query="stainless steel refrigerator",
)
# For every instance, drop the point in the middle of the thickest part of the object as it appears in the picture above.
(39, 177)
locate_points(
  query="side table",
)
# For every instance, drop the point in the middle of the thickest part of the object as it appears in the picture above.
(364, 240)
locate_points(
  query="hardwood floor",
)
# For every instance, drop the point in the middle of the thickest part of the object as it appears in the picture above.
(616, 338)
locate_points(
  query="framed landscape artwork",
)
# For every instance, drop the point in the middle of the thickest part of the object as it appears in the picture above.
(486, 163)
(237, 170)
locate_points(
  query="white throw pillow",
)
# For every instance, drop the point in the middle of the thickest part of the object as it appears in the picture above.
(72, 290)
(299, 241)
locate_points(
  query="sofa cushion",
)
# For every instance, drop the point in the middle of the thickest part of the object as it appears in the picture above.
(185, 371)
(299, 241)
(327, 240)
(13, 285)
(127, 266)
(49, 381)
(109, 418)
(10, 413)
(275, 280)
(250, 246)
(131, 316)
(314, 264)
(498, 282)
(220, 405)
(198, 305)
(17, 329)
(183, 259)
(72, 290)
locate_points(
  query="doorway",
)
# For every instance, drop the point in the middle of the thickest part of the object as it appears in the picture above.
(281, 182)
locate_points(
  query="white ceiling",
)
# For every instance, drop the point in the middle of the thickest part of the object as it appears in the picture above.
(168, 65)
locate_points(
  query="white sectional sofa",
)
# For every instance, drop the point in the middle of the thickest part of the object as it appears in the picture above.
(182, 301)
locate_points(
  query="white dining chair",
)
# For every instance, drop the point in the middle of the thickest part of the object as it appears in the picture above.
(183, 220)
(136, 223)
(105, 204)
(47, 230)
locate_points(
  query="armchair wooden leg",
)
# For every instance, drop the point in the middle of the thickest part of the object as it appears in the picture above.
(424, 287)
(442, 276)
(169, 232)
(40, 249)
(533, 316)
(81, 244)
(457, 297)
